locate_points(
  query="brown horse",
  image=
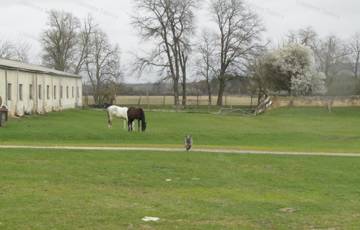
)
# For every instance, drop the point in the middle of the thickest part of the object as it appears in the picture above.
(136, 114)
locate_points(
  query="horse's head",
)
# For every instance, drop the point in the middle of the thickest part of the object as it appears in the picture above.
(106, 105)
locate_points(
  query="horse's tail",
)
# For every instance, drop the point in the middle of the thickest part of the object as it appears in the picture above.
(143, 119)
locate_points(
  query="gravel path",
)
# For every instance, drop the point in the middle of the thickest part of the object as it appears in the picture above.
(196, 150)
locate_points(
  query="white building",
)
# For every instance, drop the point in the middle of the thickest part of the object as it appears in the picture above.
(28, 89)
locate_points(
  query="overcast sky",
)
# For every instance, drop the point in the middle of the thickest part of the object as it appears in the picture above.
(23, 20)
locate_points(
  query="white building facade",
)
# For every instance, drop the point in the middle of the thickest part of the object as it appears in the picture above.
(30, 89)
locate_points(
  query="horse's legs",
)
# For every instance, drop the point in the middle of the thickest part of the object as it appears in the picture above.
(138, 125)
(130, 125)
(110, 123)
(109, 119)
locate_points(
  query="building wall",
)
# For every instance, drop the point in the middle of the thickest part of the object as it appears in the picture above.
(43, 98)
(2, 86)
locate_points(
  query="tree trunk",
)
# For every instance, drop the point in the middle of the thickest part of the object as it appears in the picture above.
(176, 93)
(221, 91)
(183, 62)
(357, 65)
(209, 91)
(184, 90)
(96, 99)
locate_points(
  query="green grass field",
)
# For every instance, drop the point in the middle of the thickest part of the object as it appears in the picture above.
(295, 129)
(59, 189)
(112, 190)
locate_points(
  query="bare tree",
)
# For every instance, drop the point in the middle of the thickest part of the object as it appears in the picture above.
(59, 40)
(239, 32)
(330, 53)
(207, 61)
(66, 41)
(14, 51)
(184, 51)
(169, 23)
(355, 53)
(259, 70)
(306, 36)
(83, 44)
(103, 67)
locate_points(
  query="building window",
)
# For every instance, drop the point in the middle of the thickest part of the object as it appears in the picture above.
(9, 91)
(77, 92)
(31, 91)
(61, 92)
(55, 92)
(40, 96)
(72, 92)
(48, 92)
(20, 92)
(67, 92)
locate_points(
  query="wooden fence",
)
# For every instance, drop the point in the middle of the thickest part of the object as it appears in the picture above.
(169, 100)
(283, 101)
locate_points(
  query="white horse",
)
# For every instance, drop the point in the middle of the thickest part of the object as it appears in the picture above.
(120, 112)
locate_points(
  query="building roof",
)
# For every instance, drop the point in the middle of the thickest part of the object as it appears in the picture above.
(15, 65)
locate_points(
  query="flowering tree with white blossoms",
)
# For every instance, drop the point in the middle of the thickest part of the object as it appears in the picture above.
(298, 64)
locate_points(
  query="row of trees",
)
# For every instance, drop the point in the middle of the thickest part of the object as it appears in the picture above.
(82, 48)
(331, 53)
(304, 64)
(224, 53)
(78, 47)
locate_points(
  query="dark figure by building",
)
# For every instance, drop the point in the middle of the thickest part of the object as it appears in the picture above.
(188, 142)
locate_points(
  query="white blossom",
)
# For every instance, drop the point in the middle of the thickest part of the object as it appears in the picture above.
(298, 62)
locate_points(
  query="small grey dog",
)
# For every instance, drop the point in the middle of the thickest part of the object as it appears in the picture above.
(188, 142)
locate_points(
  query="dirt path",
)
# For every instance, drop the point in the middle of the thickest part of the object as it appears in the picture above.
(196, 150)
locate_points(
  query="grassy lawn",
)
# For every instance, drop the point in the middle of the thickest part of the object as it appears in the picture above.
(295, 129)
(109, 190)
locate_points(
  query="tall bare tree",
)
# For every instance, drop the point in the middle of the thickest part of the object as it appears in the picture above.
(59, 40)
(183, 61)
(239, 31)
(330, 53)
(65, 42)
(83, 44)
(169, 23)
(355, 53)
(305, 36)
(207, 61)
(103, 67)
(259, 70)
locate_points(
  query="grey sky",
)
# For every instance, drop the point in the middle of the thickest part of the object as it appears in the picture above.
(23, 20)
